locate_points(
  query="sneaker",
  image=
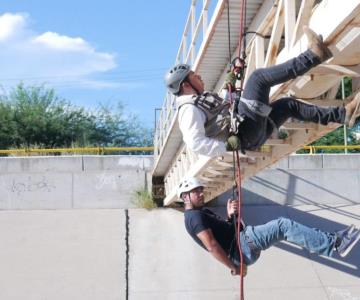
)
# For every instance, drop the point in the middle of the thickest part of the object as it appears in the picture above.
(346, 240)
(348, 230)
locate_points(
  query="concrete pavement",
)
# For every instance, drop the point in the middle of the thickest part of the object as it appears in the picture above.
(62, 254)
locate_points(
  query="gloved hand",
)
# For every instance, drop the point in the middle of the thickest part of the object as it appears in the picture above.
(230, 79)
(233, 143)
(283, 134)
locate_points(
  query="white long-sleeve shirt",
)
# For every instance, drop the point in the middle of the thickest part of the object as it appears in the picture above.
(191, 123)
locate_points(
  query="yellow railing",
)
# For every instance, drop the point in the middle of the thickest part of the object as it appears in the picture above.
(312, 149)
(103, 150)
(96, 150)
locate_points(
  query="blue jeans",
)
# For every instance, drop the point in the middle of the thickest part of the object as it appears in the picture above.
(254, 239)
(255, 130)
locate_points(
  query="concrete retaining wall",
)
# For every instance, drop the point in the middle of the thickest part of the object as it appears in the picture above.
(305, 179)
(138, 254)
(110, 181)
(83, 255)
(72, 182)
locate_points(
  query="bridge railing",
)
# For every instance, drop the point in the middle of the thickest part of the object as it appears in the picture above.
(194, 32)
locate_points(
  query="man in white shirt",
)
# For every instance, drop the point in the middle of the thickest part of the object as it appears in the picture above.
(204, 118)
(191, 123)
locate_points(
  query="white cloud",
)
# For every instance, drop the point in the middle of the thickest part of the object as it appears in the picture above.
(29, 56)
(61, 42)
(10, 24)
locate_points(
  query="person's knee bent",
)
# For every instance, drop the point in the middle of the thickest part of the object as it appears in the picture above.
(287, 102)
(257, 75)
(257, 86)
(287, 105)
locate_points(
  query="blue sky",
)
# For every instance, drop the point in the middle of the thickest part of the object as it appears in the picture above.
(93, 52)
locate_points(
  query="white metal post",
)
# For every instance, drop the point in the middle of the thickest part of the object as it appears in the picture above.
(193, 27)
(289, 7)
(344, 127)
(205, 16)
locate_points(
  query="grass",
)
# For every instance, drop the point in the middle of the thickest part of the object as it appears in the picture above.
(143, 199)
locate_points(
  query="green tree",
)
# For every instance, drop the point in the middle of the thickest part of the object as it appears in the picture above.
(119, 131)
(35, 116)
(8, 128)
(43, 119)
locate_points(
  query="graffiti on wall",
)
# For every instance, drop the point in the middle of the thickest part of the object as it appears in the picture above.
(32, 184)
(105, 179)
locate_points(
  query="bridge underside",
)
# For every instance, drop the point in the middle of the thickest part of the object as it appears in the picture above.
(278, 24)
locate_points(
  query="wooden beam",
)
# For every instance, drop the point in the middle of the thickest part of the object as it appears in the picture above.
(302, 19)
(251, 61)
(257, 154)
(275, 38)
(260, 51)
(299, 125)
(326, 69)
(219, 172)
(273, 142)
(331, 94)
(289, 19)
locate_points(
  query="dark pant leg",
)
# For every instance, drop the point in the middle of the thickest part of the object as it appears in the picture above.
(261, 80)
(285, 108)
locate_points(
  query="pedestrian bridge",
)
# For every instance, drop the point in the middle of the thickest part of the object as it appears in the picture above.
(211, 39)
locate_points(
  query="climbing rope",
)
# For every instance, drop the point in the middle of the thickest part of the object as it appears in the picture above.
(237, 66)
(238, 184)
(242, 42)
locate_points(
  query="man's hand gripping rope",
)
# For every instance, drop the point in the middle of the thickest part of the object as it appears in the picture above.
(232, 211)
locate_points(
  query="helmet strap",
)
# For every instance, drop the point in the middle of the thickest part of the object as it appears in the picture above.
(195, 89)
(188, 202)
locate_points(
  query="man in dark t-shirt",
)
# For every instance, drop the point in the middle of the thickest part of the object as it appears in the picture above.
(198, 220)
(218, 236)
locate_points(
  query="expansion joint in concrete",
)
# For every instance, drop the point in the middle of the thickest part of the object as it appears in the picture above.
(127, 220)
(82, 163)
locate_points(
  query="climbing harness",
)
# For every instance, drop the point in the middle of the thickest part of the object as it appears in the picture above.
(216, 113)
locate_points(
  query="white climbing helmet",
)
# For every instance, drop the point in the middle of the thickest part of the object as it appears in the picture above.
(187, 185)
(175, 76)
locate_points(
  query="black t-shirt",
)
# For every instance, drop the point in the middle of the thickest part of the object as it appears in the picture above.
(197, 220)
